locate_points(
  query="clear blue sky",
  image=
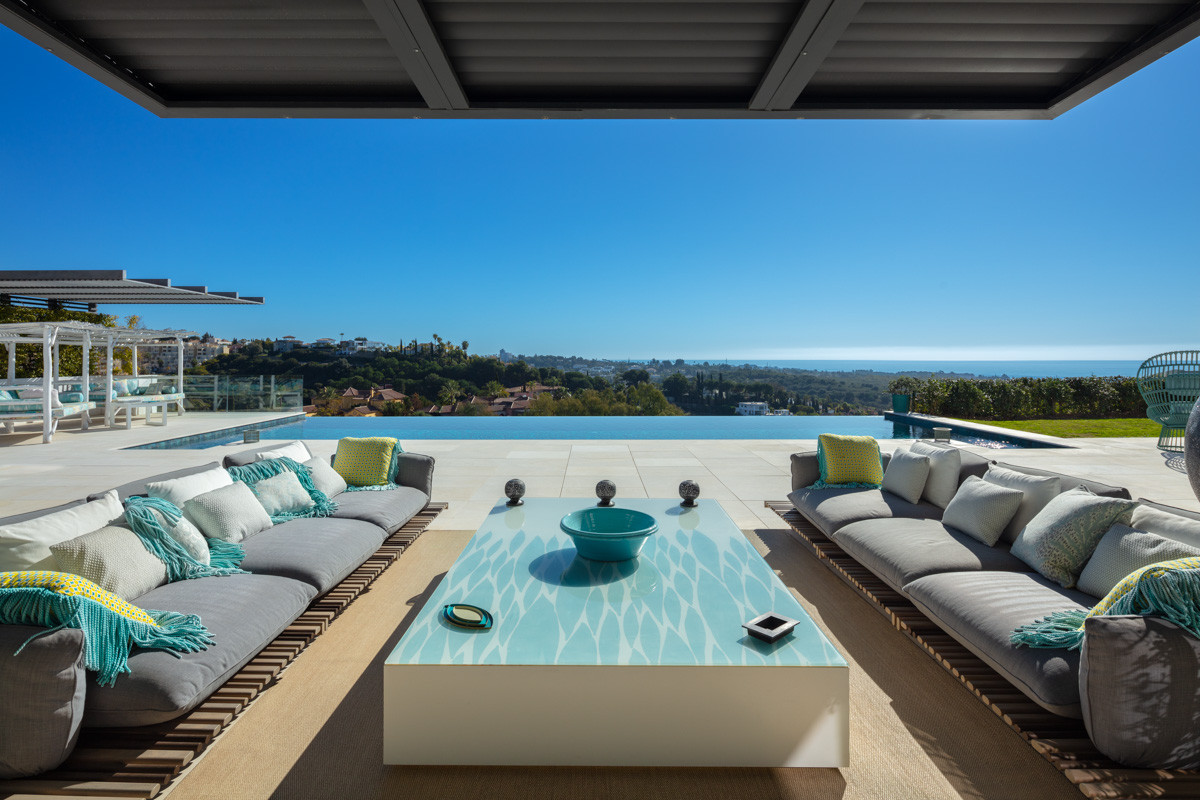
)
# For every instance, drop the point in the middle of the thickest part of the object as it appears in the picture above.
(1076, 238)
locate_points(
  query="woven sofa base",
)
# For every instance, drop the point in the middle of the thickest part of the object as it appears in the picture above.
(142, 762)
(1061, 741)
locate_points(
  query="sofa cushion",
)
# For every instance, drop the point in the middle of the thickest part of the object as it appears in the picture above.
(242, 612)
(125, 490)
(1167, 521)
(180, 490)
(1068, 482)
(901, 550)
(297, 451)
(1122, 551)
(231, 513)
(906, 474)
(981, 610)
(318, 551)
(1036, 492)
(325, 478)
(25, 545)
(249, 456)
(981, 509)
(114, 559)
(388, 509)
(283, 494)
(945, 466)
(41, 698)
(1061, 538)
(851, 460)
(831, 509)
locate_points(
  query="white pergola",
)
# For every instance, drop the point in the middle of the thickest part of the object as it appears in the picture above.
(53, 335)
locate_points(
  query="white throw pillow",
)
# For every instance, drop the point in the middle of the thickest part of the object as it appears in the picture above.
(1036, 490)
(325, 477)
(981, 509)
(114, 558)
(944, 466)
(906, 474)
(230, 513)
(297, 451)
(180, 490)
(188, 535)
(282, 494)
(26, 545)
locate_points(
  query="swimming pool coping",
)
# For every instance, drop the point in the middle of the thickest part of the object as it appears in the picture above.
(181, 442)
(1022, 438)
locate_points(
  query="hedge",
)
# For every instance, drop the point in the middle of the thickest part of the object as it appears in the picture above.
(1029, 398)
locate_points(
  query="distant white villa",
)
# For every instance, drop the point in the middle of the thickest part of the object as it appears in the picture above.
(755, 409)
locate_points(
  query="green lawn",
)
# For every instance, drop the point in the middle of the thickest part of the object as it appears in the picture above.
(1072, 428)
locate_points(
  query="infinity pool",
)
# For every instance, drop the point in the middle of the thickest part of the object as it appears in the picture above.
(585, 428)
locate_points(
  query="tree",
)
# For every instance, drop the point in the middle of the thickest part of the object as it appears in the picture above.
(633, 377)
(676, 386)
(494, 389)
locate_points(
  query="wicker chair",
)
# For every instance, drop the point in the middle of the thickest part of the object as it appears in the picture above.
(1170, 384)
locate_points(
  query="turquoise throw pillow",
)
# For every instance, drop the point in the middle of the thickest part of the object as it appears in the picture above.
(1061, 538)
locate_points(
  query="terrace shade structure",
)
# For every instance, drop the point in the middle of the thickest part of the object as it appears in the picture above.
(84, 289)
(54, 335)
(899, 59)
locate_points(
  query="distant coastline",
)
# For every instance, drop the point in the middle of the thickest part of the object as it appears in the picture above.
(1011, 369)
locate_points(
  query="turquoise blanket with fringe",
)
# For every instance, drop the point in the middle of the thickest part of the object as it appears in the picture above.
(108, 637)
(145, 515)
(1170, 589)
(392, 470)
(251, 474)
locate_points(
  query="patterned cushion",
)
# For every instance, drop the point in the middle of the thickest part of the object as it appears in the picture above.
(1036, 492)
(26, 545)
(1061, 538)
(230, 513)
(844, 459)
(1124, 550)
(113, 558)
(906, 474)
(67, 584)
(981, 509)
(325, 477)
(282, 494)
(944, 466)
(367, 462)
(179, 490)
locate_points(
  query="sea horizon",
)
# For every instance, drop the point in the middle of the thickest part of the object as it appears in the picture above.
(981, 368)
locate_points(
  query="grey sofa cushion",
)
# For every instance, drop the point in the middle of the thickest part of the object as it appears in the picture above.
(981, 609)
(1123, 550)
(244, 457)
(1036, 492)
(139, 486)
(901, 550)
(1068, 482)
(243, 613)
(1139, 683)
(113, 558)
(831, 509)
(1167, 521)
(982, 509)
(945, 469)
(41, 698)
(906, 474)
(389, 510)
(318, 551)
(1064, 534)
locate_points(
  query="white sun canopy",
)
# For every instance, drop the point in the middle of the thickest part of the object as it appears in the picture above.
(53, 335)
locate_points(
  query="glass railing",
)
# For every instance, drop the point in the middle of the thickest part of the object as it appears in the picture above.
(241, 393)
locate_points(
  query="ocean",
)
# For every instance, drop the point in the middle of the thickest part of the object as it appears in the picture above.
(1011, 369)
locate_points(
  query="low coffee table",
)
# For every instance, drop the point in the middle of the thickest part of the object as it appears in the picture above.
(638, 663)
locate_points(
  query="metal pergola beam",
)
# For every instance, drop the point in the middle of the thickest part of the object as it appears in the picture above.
(90, 287)
(816, 30)
(407, 28)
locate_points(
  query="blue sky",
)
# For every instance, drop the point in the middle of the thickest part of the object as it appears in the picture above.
(1074, 238)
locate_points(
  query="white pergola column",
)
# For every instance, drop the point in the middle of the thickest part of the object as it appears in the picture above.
(86, 377)
(178, 377)
(49, 348)
(109, 408)
(9, 425)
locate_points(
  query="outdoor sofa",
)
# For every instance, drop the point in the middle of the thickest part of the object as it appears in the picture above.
(1135, 682)
(46, 695)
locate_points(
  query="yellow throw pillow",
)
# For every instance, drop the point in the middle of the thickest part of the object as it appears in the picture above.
(66, 584)
(849, 460)
(364, 462)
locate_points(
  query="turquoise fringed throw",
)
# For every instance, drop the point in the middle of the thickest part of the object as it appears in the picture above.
(1169, 589)
(111, 627)
(251, 474)
(224, 557)
(394, 468)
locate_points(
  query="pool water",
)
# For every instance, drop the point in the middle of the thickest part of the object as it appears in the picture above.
(586, 428)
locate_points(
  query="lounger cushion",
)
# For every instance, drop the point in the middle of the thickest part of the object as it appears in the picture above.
(901, 550)
(318, 551)
(387, 509)
(981, 610)
(41, 698)
(243, 613)
(831, 509)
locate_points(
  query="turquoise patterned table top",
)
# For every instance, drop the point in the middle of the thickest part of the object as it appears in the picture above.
(681, 603)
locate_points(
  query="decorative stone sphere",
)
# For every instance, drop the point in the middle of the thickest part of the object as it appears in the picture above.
(606, 490)
(689, 490)
(514, 490)
(1191, 448)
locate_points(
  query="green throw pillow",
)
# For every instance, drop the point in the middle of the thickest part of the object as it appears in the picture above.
(1061, 538)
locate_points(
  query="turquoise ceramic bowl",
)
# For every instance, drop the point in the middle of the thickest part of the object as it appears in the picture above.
(608, 534)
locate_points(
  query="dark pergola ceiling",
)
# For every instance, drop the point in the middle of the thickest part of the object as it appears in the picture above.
(71, 288)
(977, 59)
